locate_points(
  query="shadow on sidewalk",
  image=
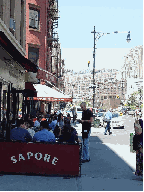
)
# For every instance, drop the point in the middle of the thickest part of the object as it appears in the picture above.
(105, 163)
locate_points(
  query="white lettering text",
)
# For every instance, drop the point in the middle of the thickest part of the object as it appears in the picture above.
(13, 159)
(55, 159)
(29, 154)
(47, 157)
(36, 156)
(21, 157)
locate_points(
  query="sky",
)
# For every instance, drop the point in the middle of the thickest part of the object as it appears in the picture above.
(77, 21)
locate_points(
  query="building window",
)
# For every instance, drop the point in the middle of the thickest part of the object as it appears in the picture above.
(105, 97)
(33, 55)
(34, 18)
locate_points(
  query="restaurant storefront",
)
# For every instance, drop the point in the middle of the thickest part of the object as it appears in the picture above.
(13, 69)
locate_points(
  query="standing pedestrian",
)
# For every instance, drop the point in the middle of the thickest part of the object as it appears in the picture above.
(108, 118)
(87, 118)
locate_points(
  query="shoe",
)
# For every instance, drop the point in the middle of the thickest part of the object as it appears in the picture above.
(83, 160)
(105, 134)
(110, 133)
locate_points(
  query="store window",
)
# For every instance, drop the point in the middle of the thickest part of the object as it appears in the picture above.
(33, 55)
(34, 18)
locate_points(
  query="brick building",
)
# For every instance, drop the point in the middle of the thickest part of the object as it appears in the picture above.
(42, 43)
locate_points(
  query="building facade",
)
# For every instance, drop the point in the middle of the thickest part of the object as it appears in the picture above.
(109, 89)
(42, 46)
(13, 64)
(42, 43)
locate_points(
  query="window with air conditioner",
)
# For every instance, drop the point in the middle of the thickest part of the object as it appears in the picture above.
(34, 18)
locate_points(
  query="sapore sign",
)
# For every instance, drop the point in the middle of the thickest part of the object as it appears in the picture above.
(38, 156)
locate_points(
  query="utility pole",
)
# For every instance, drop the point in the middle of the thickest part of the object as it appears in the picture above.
(94, 70)
(100, 34)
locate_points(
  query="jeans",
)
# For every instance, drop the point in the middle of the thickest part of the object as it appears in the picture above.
(85, 151)
(107, 127)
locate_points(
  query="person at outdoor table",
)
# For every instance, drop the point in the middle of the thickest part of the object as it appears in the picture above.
(28, 118)
(53, 123)
(37, 122)
(57, 131)
(30, 130)
(44, 135)
(67, 136)
(20, 133)
(60, 120)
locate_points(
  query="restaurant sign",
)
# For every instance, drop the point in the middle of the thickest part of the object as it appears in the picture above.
(39, 158)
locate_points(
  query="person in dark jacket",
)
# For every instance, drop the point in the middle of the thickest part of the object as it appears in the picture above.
(67, 135)
(138, 147)
(20, 133)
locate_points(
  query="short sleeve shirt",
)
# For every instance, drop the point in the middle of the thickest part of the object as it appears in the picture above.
(86, 115)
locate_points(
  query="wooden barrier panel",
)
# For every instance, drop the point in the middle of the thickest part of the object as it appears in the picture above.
(40, 158)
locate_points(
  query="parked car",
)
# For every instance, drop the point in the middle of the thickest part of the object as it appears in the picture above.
(117, 122)
(131, 112)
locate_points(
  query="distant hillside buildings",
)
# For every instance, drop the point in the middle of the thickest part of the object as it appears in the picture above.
(112, 85)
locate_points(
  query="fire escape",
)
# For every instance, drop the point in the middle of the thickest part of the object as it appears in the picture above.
(52, 38)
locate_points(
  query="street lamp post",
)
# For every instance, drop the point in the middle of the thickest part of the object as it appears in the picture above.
(100, 34)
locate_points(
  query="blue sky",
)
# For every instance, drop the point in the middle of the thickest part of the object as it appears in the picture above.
(77, 20)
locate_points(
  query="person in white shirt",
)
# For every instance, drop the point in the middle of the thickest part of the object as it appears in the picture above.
(37, 122)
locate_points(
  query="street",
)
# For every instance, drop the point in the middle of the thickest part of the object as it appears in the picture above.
(112, 167)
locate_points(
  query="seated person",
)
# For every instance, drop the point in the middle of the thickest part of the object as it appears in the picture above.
(57, 131)
(28, 118)
(60, 120)
(44, 135)
(20, 133)
(53, 123)
(30, 130)
(67, 135)
(37, 122)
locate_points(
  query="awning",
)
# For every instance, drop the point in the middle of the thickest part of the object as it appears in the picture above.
(45, 93)
(17, 56)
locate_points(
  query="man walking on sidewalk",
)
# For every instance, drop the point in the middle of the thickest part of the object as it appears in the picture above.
(87, 118)
(108, 118)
